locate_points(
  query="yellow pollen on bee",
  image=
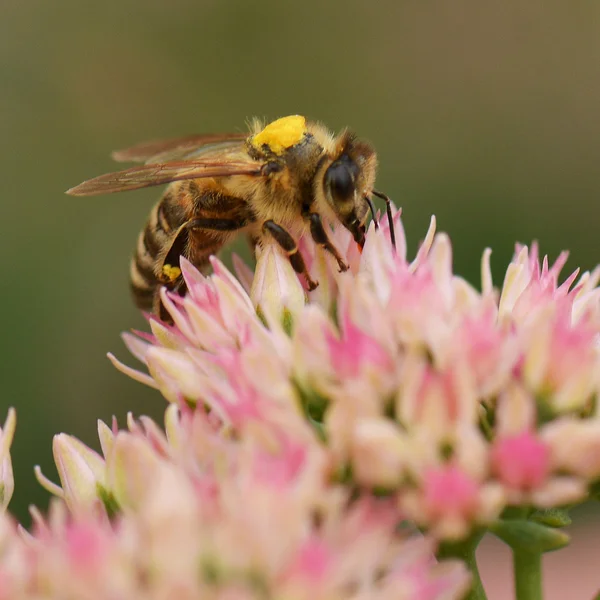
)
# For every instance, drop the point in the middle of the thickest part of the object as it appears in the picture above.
(281, 134)
(171, 273)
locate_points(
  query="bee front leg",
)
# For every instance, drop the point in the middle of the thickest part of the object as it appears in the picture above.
(287, 243)
(388, 208)
(320, 237)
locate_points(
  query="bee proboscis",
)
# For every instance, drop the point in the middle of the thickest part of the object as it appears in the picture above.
(278, 181)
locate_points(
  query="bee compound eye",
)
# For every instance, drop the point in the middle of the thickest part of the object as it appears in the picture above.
(340, 178)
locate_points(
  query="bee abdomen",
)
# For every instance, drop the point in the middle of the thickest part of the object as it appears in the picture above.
(165, 218)
(143, 289)
(142, 269)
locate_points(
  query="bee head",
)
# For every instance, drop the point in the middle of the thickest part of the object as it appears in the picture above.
(347, 181)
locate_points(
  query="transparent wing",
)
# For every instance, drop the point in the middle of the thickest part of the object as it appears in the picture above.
(174, 149)
(156, 174)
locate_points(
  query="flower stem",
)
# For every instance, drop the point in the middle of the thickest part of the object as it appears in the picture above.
(465, 551)
(528, 574)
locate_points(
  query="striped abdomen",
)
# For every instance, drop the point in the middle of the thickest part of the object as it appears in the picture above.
(211, 218)
(153, 243)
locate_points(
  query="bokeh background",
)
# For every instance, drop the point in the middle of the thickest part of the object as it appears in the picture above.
(484, 113)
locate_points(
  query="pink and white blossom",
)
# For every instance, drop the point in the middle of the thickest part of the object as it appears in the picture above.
(404, 368)
(303, 427)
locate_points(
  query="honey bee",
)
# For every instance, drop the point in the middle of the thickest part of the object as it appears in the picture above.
(278, 181)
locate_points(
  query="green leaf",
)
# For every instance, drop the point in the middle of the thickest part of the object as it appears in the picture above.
(552, 517)
(529, 536)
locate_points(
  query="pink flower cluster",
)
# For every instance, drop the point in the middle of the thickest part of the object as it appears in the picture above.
(207, 511)
(321, 444)
(452, 402)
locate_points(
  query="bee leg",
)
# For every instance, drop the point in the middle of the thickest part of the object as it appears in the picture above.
(319, 235)
(286, 241)
(388, 208)
(372, 209)
(170, 267)
(170, 275)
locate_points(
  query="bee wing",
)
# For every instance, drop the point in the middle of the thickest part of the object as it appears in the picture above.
(156, 174)
(164, 150)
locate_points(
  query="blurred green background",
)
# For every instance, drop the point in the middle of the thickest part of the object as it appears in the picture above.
(485, 114)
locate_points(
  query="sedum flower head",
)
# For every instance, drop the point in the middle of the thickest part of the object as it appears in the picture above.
(306, 429)
(451, 401)
(200, 512)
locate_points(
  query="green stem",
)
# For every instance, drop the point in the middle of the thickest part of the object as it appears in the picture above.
(465, 551)
(528, 574)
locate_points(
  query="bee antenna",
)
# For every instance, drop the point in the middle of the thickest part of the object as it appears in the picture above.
(372, 208)
(388, 208)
